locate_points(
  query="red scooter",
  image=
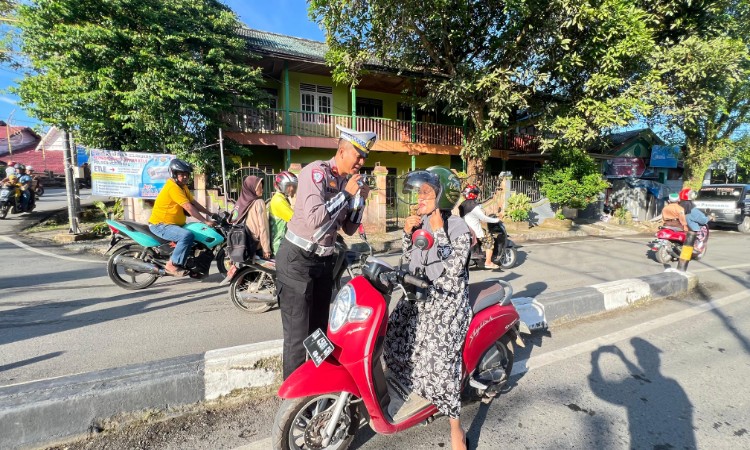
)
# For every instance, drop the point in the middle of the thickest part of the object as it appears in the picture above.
(668, 244)
(344, 383)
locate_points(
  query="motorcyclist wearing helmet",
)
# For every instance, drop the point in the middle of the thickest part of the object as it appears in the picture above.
(474, 215)
(430, 365)
(25, 180)
(280, 210)
(673, 215)
(168, 215)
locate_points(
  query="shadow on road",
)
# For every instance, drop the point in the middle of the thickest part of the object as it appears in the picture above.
(660, 414)
(28, 361)
(29, 322)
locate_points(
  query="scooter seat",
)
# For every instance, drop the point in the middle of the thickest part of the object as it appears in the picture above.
(484, 294)
(141, 228)
(671, 228)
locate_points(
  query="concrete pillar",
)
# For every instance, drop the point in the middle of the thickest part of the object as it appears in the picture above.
(374, 219)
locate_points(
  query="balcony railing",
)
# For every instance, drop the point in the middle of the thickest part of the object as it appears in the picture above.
(301, 123)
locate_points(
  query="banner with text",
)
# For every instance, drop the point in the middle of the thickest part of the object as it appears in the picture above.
(128, 174)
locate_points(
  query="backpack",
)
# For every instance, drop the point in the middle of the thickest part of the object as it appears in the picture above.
(240, 243)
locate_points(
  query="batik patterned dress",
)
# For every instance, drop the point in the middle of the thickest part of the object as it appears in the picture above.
(424, 342)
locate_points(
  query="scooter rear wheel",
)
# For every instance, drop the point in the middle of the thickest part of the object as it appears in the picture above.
(128, 278)
(509, 258)
(496, 364)
(662, 255)
(251, 281)
(4, 211)
(299, 420)
(223, 263)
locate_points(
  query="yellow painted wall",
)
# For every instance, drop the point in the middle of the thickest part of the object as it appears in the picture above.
(390, 101)
(341, 94)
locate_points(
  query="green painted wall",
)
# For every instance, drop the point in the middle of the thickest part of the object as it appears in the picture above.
(639, 148)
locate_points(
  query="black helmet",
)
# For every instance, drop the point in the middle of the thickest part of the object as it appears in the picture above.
(178, 165)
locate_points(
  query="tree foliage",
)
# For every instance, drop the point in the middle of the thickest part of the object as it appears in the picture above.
(571, 178)
(141, 75)
(703, 67)
(572, 67)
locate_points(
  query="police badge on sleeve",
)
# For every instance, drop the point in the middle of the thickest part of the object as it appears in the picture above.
(318, 176)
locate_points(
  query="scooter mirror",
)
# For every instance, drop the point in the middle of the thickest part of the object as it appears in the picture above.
(422, 239)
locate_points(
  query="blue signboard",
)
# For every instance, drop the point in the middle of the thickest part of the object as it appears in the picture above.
(82, 155)
(665, 156)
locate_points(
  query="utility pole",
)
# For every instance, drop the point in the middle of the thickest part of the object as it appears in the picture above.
(223, 166)
(7, 132)
(70, 188)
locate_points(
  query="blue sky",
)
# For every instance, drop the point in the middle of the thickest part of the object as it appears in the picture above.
(279, 16)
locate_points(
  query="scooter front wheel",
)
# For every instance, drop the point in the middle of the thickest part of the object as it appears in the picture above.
(300, 421)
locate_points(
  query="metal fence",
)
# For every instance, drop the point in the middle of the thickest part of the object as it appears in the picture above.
(396, 210)
(528, 187)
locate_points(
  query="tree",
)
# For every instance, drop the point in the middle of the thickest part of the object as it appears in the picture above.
(141, 75)
(7, 8)
(571, 178)
(572, 67)
(703, 68)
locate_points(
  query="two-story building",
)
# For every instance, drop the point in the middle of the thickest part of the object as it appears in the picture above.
(305, 105)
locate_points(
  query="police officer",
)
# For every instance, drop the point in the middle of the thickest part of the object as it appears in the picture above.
(329, 197)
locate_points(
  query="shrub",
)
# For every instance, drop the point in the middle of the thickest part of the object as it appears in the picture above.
(571, 178)
(518, 207)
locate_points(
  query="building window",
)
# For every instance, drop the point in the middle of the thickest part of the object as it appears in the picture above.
(315, 101)
(369, 107)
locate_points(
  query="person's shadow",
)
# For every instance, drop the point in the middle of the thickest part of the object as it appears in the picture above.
(660, 415)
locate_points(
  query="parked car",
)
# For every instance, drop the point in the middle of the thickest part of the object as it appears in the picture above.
(730, 203)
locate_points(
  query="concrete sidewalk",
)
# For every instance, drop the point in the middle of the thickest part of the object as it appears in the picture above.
(46, 411)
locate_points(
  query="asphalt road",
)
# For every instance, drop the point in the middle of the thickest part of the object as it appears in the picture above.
(60, 314)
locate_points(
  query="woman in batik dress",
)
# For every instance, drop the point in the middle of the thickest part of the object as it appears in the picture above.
(424, 342)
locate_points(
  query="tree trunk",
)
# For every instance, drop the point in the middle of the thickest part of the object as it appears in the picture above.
(475, 166)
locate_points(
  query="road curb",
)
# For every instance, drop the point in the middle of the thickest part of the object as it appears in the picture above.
(45, 411)
(52, 410)
(573, 304)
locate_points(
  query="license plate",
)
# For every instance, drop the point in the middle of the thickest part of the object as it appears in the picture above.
(4, 195)
(318, 347)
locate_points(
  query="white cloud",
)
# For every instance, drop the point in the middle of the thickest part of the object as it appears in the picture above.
(8, 100)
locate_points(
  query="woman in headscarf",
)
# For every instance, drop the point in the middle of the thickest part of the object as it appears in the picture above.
(252, 209)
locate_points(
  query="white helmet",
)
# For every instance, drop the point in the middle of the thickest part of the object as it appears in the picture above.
(28, 168)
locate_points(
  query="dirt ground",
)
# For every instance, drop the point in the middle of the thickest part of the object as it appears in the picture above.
(227, 423)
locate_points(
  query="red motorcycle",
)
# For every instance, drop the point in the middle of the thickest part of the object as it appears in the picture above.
(344, 383)
(668, 244)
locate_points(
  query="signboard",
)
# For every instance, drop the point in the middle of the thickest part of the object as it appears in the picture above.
(82, 155)
(665, 156)
(625, 167)
(128, 174)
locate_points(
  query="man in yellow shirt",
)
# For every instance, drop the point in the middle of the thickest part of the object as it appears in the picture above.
(168, 215)
(280, 210)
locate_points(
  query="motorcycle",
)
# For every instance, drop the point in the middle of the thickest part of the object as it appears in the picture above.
(344, 384)
(37, 187)
(504, 252)
(253, 286)
(10, 203)
(141, 260)
(667, 246)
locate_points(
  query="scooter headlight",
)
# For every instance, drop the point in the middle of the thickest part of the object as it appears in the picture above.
(345, 309)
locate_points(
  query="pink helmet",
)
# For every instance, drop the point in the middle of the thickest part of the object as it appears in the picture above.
(284, 179)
